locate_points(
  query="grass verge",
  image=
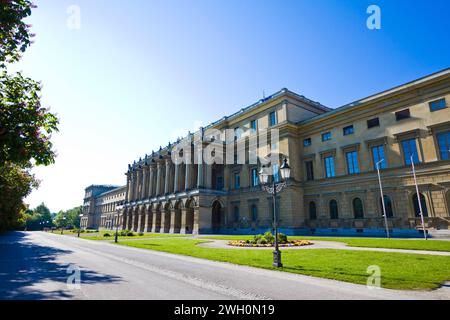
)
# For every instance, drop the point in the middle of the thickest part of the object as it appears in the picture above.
(398, 270)
(429, 245)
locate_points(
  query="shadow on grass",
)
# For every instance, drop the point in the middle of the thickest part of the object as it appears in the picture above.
(24, 264)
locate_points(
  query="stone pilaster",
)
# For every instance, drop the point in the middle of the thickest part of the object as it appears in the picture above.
(159, 178)
(176, 182)
(168, 177)
(151, 183)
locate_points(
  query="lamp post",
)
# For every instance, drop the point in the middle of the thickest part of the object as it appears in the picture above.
(382, 198)
(62, 226)
(116, 237)
(273, 188)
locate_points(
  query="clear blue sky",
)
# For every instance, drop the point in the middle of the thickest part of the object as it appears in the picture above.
(139, 73)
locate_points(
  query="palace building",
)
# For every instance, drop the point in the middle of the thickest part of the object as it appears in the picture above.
(333, 155)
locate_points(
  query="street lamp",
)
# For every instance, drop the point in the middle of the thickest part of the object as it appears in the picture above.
(116, 236)
(382, 198)
(273, 188)
(64, 222)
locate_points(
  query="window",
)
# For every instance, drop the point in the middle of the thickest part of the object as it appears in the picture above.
(237, 181)
(236, 214)
(309, 170)
(334, 210)
(375, 122)
(253, 126)
(312, 210)
(377, 156)
(273, 118)
(219, 184)
(444, 145)
(348, 130)
(254, 177)
(387, 206)
(403, 114)
(276, 172)
(329, 166)
(326, 136)
(254, 212)
(352, 162)
(307, 142)
(410, 151)
(358, 209)
(437, 105)
(423, 204)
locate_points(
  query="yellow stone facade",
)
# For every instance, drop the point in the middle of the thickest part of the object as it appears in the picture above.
(344, 143)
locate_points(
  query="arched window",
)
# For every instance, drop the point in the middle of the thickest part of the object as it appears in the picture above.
(236, 214)
(416, 205)
(334, 210)
(358, 209)
(388, 206)
(254, 212)
(312, 210)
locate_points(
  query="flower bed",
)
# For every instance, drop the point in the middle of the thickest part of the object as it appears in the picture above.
(246, 243)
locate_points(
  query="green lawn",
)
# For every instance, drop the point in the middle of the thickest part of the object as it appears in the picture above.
(398, 270)
(100, 235)
(431, 245)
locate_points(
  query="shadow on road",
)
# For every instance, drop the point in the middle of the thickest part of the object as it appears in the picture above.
(24, 264)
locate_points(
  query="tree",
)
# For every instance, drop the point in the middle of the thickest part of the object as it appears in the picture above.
(72, 218)
(38, 218)
(15, 36)
(15, 183)
(25, 126)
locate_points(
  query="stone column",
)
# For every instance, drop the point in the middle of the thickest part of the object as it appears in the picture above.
(200, 182)
(167, 177)
(208, 176)
(172, 221)
(159, 178)
(183, 221)
(148, 220)
(144, 182)
(176, 178)
(138, 184)
(151, 189)
(154, 216)
(139, 222)
(187, 179)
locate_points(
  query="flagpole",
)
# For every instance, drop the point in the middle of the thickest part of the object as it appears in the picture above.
(382, 198)
(418, 198)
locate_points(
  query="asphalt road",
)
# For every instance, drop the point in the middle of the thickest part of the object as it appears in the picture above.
(37, 265)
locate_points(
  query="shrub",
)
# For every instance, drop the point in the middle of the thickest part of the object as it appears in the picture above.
(269, 237)
(106, 235)
(130, 234)
(256, 238)
(262, 241)
(82, 231)
(282, 238)
(140, 234)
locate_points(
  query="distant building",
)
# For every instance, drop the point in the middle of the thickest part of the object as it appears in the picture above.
(100, 206)
(333, 154)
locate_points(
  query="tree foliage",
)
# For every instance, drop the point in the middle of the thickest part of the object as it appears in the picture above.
(72, 218)
(15, 36)
(25, 126)
(15, 183)
(38, 218)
